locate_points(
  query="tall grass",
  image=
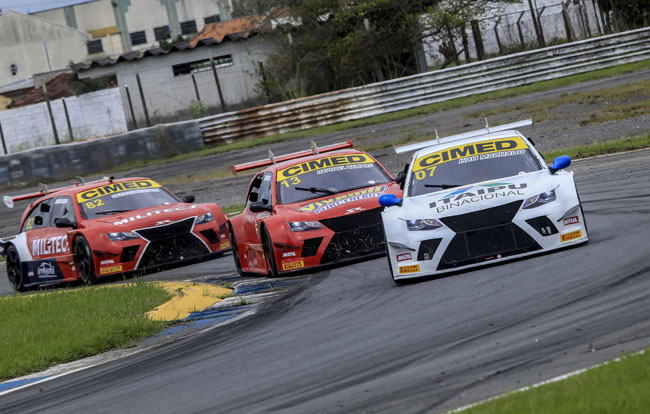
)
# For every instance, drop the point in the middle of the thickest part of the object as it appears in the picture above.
(39, 330)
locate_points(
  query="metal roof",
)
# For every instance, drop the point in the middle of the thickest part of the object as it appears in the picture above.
(178, 47)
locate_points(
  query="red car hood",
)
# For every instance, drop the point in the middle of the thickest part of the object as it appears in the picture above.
(347, 202)
(152, 216)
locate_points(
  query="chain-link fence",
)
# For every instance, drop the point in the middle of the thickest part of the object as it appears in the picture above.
(528, 29)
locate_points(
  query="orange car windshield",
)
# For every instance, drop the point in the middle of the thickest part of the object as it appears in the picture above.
(117, 198)
(326, 176)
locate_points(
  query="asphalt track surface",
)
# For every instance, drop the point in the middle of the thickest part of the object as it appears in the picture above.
(352, 341)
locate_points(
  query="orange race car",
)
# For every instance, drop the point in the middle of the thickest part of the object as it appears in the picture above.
(107, 227)
(311, 208)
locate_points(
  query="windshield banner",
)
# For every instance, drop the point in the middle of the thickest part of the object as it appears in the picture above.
(326, 164)
(475, 149)
(115, 188)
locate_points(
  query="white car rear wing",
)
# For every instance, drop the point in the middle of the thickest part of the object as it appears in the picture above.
(487, 130)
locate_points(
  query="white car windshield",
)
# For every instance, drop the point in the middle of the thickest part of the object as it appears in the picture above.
(471, 163)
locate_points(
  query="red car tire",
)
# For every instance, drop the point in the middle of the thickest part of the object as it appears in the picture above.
(83, 259)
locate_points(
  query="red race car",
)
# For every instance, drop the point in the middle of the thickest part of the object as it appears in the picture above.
(311, 208)
(107, 227)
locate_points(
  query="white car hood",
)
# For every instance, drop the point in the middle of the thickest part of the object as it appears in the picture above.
(480, 196)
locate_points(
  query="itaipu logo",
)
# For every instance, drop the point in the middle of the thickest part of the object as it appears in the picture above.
(483, 192)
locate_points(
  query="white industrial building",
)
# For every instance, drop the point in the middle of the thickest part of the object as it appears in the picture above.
(31, 45)
(122, 26)
(169, 81)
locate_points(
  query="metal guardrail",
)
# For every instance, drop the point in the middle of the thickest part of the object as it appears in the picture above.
(426, 88)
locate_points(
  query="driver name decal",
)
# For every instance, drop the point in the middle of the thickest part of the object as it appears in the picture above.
(115, 188)
(327, 204)
(467, 151)
(326, 164)
(464, 196)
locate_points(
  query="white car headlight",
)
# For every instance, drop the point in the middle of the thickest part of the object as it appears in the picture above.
(205, 218)
(122, 235)
(423, 224)
(304, 225)
(539, 199)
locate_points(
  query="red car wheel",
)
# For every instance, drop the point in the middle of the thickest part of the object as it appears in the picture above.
(83, 258)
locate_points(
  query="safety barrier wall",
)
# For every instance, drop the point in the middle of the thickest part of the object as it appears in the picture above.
(84, 158)
(427, 88)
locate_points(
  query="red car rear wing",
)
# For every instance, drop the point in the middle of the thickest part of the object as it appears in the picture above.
(9, 200)
(273, 159)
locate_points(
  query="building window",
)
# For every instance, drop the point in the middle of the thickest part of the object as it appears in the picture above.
(201, 65)
(161, 33)
(138, 38)
(188, 27)
(212, 19)
(94, 46)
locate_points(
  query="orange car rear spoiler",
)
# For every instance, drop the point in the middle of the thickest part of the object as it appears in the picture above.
(315, 150)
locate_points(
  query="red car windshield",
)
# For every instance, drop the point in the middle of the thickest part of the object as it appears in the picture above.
(327, 176)
(121, 197)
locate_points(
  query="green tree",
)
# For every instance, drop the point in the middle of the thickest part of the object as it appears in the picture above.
(333, 44)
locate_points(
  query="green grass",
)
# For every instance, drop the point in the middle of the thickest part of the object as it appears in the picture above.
(232, 208)
(43, 329)
(602, 148)
(614, 388)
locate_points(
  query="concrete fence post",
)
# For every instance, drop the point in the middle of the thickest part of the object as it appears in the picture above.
(67, 119)
(144, 102)
(128, 99)
(49, 110)
(2, 138)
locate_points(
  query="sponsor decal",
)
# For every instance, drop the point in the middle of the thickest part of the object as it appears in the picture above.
(153, 213)
(111, 269)
(105, 262)
(224, 245)
(409, 269)
(353, 210)
(51, 245)
(289, 254)
(46, 270)
(432, 160)
(464, 196)
(325, 164)
(571, 220)
(115, 188)
(160, 223)
(30, 273)
(571, 236)
(327, 204)
(293, 265)
(403, 257)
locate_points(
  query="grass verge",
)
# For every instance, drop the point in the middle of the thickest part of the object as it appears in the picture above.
(45, 329)
(616, 387)
(602, 148)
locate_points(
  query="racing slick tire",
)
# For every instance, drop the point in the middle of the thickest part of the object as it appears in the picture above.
(235, 253)
(83, 259)
(14, 269)
(267, 245)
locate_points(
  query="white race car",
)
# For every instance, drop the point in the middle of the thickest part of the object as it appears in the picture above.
(477, 198)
